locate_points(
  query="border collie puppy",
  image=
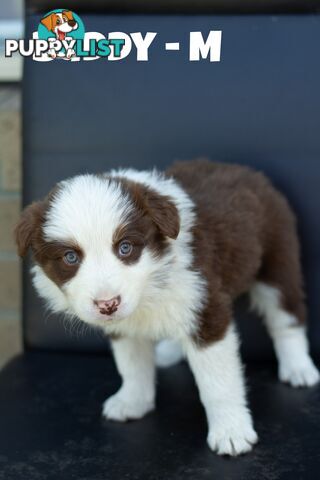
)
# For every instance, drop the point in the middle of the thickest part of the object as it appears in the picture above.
(148, 256)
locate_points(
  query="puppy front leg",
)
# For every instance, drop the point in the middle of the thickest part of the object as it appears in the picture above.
(136, 397)
(218, 373)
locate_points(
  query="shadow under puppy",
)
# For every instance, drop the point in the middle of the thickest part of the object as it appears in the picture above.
(148, 256)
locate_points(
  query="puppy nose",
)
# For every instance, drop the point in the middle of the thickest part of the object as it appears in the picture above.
(108, 307)
(71, 23)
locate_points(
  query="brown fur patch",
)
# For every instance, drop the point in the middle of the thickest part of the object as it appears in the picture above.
(140, 232)
(29, 234)
(159, 208)
(50, 256)
(152, 221)
(31, 219)
(245, 231)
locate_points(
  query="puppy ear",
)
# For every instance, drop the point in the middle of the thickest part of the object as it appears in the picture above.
(163, 212)
(47, 22)
(31, 216)
(68, 14)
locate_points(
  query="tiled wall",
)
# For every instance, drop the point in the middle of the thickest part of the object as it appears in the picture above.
(10, 197)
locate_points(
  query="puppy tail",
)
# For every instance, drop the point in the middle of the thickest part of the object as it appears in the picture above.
(168, 353)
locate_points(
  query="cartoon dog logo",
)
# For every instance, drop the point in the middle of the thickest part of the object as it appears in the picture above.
(60, 24)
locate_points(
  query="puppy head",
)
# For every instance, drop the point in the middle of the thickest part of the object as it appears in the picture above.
(60, 23)
(100, 245)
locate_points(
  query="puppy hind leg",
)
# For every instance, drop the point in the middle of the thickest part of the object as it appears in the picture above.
(288, 334)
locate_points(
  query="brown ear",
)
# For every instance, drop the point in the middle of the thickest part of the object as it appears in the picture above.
(163, 212)
(48, 21)
(25, 229)
(68, 14)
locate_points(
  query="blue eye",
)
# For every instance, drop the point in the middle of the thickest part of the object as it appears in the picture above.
(71, 258)
(125, 249)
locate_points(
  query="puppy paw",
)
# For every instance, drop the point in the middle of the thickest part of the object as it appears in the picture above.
(121, 408)
(300, 374)
(234, 435)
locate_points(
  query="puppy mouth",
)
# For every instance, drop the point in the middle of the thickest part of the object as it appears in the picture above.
(61, 35)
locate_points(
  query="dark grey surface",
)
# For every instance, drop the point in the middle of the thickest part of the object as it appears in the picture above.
(260, 106)
(51, 426)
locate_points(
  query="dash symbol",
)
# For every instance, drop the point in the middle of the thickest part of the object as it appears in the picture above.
(173, 46)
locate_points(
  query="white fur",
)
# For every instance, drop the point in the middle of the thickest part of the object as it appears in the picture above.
(168, 352)
(49, 291)
(160, 296)
(135, 363)
(289, 338)
(218, 373)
